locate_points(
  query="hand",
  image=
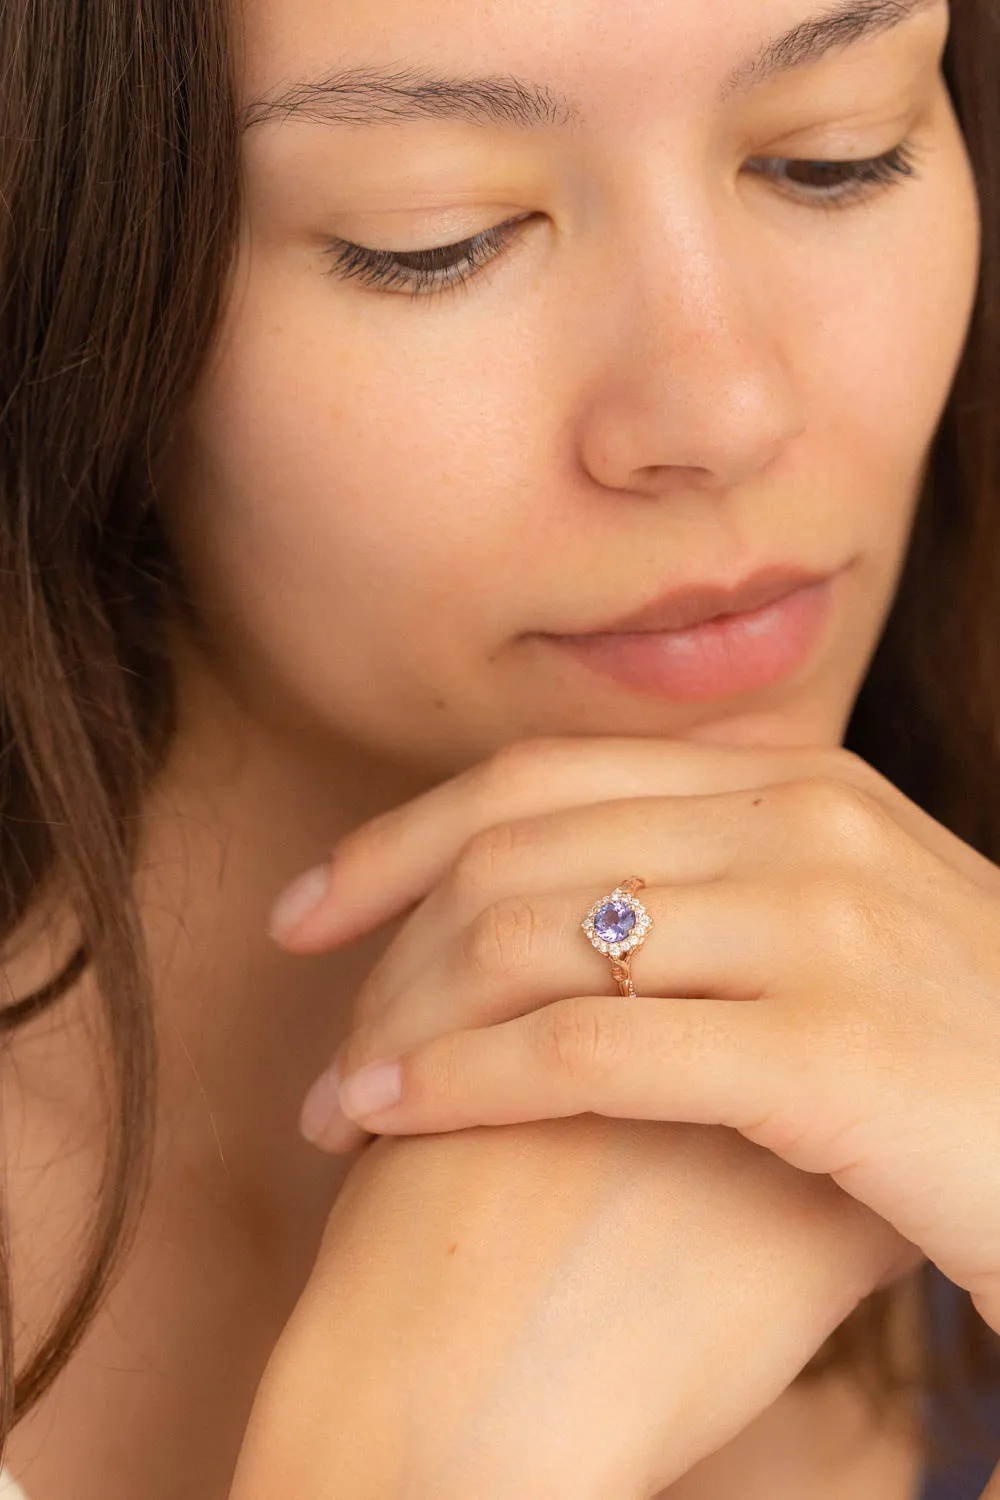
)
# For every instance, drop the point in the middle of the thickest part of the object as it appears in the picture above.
(562, 1310)
(865, 936)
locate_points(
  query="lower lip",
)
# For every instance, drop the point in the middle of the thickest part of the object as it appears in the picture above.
(726, 656)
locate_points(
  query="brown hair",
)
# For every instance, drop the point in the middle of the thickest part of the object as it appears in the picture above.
(119, 206)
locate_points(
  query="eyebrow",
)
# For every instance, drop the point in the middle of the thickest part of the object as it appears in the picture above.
(376, 96)
(813, 39)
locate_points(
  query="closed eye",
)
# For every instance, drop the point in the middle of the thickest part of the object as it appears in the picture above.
(819, 183)
(421, 271)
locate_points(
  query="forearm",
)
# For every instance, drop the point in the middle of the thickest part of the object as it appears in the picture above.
(351, 1411)
(555, 1311)
(420, 1359)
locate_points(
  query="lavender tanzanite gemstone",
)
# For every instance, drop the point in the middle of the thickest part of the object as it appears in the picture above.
(614, 922)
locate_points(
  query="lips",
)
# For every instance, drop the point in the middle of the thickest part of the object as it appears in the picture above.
(697, 604)
(713, 641)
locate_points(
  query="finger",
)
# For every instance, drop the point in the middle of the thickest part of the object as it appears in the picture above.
(524, 953)
(388, 864)
(383, 868)
(668, 840)
(904, 1143)
(796, 825)
(723, 941)
(901, 1142)
(696, 1061)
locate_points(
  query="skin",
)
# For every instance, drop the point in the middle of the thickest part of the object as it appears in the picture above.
(797, 433)
(379, 502)
(591, 1367)
(653, 455)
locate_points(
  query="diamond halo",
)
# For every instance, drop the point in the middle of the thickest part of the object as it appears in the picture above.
(618, 924)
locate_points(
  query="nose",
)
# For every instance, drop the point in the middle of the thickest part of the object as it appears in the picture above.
(691, 388)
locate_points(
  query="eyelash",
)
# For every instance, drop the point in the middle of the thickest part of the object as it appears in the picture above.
(418, 271)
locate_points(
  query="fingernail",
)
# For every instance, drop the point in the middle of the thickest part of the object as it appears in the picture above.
(298, 900)
(371, 1090)
(321, 1110)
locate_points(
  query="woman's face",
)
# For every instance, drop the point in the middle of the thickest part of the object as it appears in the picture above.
(687, 353)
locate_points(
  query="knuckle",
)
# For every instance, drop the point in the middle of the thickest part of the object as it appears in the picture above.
(519, 762)
(842, 815)
(501, 940)
(583, 1037)
(482, 860)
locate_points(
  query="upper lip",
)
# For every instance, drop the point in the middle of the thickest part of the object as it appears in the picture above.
(696, 604)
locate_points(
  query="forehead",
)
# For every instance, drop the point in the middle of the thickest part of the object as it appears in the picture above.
(603, 50)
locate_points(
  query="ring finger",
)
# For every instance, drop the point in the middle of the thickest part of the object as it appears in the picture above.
(673, 840)
(716, 941)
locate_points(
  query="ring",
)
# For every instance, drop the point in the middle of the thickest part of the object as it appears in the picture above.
(617, 925)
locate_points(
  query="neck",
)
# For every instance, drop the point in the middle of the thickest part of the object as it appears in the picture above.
(239, 809)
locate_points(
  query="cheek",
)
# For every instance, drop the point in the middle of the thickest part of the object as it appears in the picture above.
(353, 508)
(370, 471)
(879, 317)
(886, 326)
